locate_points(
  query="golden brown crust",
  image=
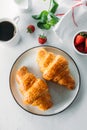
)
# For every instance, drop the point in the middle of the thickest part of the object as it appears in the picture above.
(57, 71)
(68, 81)
(41, 55)
(56, 66)
(22, 71)
(38, 88)
(61, 74)
(34, 91)
(46, 62)
(44, 102)
(24, 79)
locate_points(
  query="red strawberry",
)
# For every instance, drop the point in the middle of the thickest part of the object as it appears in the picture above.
(85, 45)
(42, 39)
(79, 39)
(30, 28)
(80, 47)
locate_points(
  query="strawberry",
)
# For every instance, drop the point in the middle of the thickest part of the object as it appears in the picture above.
(85, 46)
(80, 47)
(79, 39)
(42, 39)
(31, 28)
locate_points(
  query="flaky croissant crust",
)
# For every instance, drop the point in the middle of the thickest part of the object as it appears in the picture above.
(55, 68)
(34, 90)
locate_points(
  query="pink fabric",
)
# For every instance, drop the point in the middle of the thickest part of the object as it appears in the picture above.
(83, 2)
(73, 4)
(73, 17)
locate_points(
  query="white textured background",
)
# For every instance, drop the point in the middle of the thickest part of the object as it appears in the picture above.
(12, 117)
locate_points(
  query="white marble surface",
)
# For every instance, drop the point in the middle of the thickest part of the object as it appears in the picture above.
(12, 117)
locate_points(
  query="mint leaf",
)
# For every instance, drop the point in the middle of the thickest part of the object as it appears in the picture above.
(37, 17)
(46, 19)
(53, 19)
(42, 16)
(46, 26)
(40, 25)
(54, 5)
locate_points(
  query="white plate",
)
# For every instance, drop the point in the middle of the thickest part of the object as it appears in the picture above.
(62, 97)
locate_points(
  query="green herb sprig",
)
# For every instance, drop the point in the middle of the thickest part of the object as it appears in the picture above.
(47, 19)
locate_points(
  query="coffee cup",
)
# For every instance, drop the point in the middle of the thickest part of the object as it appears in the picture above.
(9, 33)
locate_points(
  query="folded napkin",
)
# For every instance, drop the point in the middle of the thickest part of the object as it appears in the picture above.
(64, 6)
(74, 20)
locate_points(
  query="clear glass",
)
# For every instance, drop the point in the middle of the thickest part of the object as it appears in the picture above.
(24, 5)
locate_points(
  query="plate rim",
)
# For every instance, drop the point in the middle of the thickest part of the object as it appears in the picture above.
(55, 112)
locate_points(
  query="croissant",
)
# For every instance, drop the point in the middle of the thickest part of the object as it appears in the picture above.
(34, 90)
(55, 68)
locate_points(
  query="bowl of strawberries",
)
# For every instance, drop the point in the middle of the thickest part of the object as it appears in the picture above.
(80, 42)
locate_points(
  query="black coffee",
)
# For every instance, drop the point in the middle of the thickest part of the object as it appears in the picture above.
(7, 30)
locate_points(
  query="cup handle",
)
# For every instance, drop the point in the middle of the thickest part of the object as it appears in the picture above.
(16, 19)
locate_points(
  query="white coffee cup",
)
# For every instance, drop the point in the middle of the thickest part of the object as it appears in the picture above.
(10, 35)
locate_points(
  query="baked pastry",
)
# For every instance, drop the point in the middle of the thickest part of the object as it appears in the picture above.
(34, 90)
(55, 68)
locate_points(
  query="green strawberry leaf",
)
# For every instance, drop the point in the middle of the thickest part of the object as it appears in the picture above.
(42, 36)
(83, 34)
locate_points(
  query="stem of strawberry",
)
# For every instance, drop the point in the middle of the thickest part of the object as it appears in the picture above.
(83, 34)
